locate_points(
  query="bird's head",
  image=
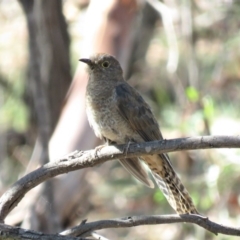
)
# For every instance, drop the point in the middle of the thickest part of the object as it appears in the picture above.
(103, 65)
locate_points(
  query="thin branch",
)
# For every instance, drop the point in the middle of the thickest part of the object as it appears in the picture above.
(83, 230)
(86, 229)
(17, 233)
(78, 160)
(167, 20)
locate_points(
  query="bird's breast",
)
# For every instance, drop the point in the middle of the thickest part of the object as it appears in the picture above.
(105, 120)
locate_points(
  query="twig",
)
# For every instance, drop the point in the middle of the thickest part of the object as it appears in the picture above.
(78, 160)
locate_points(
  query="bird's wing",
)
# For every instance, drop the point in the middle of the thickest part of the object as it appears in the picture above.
(132, 107)
(136, 168)
(125, 102)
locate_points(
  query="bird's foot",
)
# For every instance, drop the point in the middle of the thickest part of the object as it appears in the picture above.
(97, 149)
(126, 149)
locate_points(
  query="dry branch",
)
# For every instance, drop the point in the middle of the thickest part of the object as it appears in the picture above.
(16, 233)
(78, 160)
(84, 229)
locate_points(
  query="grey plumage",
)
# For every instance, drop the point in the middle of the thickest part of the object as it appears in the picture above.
(118, 114)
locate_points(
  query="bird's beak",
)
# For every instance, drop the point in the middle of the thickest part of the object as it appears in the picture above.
(88, 61)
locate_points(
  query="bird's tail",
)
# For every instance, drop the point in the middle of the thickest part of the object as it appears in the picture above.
(170, 184)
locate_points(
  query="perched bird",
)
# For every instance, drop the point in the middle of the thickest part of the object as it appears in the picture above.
(118, 114)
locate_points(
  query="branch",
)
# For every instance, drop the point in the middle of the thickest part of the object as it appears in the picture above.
(84, 229)
(167, 20)
(78, 160)
(16, 233)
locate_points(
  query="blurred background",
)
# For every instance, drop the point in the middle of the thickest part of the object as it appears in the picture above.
(182, 55)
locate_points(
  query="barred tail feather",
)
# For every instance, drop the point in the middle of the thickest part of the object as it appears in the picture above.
(170, 184)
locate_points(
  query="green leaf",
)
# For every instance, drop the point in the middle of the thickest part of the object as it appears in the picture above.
(158, 196)
(208, 107)
(192, 94)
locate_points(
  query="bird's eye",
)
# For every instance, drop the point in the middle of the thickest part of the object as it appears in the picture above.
(106, 64)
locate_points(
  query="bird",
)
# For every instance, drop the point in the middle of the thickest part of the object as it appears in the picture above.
(118, 114)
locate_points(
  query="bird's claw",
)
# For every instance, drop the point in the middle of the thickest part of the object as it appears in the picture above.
(97, 149)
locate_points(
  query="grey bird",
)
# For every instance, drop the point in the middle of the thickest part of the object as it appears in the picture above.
(119, 115)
